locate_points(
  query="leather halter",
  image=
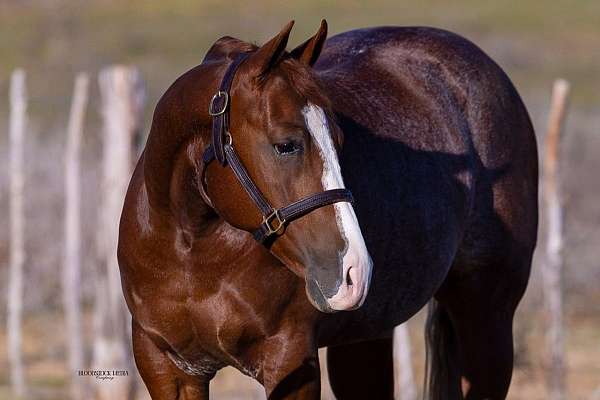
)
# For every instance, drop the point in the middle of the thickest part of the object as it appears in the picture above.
(274, 220)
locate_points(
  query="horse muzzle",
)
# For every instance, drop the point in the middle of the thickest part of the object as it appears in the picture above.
(351, 292)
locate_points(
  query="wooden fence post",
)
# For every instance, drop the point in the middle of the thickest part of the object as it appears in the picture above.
(71, 277)
(555, 362)
(404, 383)
(18, 107)
(122, 94)
(326, 390)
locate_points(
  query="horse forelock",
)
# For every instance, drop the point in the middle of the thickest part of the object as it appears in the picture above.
(304, 81)
(301, 77)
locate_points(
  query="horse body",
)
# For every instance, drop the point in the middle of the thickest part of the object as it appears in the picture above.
(440, 156)
(426, 137)
(408, 160)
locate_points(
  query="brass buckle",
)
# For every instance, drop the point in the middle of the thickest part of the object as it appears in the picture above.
(218, 95)
(274, 228)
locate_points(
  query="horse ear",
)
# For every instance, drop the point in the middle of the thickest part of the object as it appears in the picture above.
(268, 54)
(309, 51)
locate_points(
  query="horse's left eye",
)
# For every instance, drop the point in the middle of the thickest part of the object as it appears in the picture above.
(287, 148)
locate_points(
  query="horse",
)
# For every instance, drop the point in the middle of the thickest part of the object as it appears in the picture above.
(318, 197)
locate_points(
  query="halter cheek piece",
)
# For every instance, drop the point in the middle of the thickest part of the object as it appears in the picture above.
(274, 219)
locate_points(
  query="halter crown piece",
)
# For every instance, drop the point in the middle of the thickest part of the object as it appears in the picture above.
(274, 220)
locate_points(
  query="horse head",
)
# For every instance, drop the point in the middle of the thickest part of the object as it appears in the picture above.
(281, 125)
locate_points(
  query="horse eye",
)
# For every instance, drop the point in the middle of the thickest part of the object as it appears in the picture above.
(287, 148)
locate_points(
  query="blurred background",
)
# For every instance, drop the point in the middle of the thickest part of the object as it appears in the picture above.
(53, 40)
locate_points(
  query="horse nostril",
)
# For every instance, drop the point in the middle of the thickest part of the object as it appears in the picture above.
(348, 278)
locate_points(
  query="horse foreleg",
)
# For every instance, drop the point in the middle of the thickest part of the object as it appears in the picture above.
(291, 370)
(162, 378)
(362, 370)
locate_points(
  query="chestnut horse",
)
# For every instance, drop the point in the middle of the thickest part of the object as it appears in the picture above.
(438, 151)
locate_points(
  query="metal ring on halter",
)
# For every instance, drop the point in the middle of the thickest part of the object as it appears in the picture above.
(218, 95)
(228, 139)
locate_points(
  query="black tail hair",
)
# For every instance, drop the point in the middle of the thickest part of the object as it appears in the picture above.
(442, 377)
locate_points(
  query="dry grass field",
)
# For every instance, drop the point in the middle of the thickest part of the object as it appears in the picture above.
(44, 355)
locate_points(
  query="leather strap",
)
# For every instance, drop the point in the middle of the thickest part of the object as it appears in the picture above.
(247, 183)
(274, 220)
(283, 216)
(219, 109)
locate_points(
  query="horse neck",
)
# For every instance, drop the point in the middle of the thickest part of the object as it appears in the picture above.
(171, 182)
(179, 135)
(195, 229)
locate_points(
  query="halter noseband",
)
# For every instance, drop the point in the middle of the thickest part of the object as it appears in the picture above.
(274, 219)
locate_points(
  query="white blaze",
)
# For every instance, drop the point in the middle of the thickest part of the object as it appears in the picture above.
(356, 256)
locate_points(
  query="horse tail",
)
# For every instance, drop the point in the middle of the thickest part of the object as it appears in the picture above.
(442, 377)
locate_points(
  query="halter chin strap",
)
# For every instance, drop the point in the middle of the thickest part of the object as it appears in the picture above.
(221, 149)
